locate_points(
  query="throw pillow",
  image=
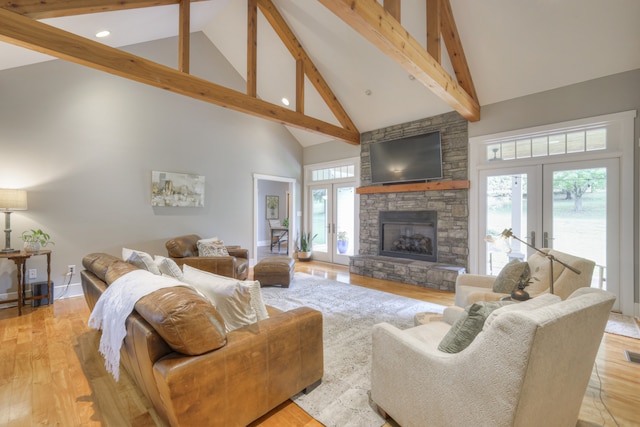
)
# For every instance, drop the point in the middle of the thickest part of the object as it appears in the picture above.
(510, 275)
(140, 259)
(468, 326)
(231, 299)
(257, 302)
(212, 249)
(168, 267)
(185, 320)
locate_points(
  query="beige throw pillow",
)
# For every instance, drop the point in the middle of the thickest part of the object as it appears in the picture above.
(212, 249)
(140, 259)
(231, 299)
(168, 267)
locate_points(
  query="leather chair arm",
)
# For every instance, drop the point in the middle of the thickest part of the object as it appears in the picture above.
(221, 265)
(238, 252)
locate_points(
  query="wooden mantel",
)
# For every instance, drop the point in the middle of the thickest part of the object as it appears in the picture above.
(420, 186)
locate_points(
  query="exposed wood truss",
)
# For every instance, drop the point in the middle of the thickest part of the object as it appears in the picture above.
(17, 27)
(378, 26)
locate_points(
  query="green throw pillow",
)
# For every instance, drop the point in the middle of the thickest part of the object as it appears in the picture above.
(510, 275)
(468, 325)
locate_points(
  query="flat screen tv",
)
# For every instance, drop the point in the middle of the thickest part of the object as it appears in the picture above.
(415, 158)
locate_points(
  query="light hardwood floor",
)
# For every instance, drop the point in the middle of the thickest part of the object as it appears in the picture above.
(50, 373)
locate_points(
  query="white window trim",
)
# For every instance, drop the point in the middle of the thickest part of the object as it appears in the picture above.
(623, 123)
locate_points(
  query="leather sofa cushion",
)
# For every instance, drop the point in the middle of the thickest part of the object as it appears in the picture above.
(184, 319)
(117, 269)
(98, 263)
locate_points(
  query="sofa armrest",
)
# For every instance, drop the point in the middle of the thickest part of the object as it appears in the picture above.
(270, 361)
(475, 280)
(221, 265)
(451, 314)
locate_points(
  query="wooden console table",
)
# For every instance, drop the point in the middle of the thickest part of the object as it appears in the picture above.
(20, 259)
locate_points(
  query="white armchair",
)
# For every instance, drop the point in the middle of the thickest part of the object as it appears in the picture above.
(530, 366)
(472, 288)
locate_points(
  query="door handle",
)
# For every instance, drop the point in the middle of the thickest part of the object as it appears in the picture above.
(546, 239)
(533, 238)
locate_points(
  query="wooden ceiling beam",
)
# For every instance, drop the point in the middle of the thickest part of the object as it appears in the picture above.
(454, 48)
(370, 19)
(39, 9)
(252, 48)
(394, 8)
(184, 36)
(289, 39)
(28, 33)
(434, 28)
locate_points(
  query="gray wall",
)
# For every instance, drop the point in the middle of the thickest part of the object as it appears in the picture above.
(606, 95)
(83, 144)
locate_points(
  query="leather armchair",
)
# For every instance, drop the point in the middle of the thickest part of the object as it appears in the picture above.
(184, 250)
(472, 288)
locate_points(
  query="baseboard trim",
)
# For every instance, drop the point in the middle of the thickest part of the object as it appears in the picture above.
(59, 292)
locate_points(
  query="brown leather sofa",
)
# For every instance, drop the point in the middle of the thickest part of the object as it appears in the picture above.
(184, 250)
(196, 374)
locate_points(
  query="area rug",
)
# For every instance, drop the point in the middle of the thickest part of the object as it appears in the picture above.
(349, 313)
(622, 325)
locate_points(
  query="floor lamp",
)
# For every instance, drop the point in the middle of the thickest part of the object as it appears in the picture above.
(11, 200)
(506, 233)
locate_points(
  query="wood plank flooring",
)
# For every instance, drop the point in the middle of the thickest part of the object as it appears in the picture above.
(51, 374)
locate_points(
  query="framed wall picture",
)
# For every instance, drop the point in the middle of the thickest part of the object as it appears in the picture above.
(177, 189)
(273, 205)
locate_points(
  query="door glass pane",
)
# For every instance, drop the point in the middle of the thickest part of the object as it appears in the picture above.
(506, 208)
(319, 219)
(345, 211)
(580, 216)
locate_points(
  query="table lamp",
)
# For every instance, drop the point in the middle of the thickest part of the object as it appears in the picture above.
(11, 200)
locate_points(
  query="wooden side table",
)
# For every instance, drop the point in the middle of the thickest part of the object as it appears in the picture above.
(20, 259)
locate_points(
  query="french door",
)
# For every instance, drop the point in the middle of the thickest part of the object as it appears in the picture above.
(572, 207)
(332, 220)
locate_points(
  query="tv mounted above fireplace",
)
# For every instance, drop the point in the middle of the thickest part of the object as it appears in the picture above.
(415, 158)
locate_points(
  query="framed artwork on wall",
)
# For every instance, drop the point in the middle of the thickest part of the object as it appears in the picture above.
(177, 189)
(273, 204)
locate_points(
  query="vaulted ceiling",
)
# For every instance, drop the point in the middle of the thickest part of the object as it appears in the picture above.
(512, 49)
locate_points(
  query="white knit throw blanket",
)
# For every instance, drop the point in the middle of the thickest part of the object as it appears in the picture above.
(113, 307)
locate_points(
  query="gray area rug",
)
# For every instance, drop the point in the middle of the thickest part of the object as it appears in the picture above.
(622, 325)
(349, 312)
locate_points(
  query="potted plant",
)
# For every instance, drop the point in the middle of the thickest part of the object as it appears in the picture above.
(343, 242)
(34, 239)
(305, 242)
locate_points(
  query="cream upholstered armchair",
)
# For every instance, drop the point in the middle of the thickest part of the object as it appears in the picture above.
(472, 288)
(529, 366)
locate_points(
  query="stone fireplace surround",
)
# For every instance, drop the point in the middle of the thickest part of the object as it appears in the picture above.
(451, 206)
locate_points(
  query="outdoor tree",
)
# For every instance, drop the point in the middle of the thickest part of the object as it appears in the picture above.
(575, 183)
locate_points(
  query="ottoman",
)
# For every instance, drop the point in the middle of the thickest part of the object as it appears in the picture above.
(274, 271)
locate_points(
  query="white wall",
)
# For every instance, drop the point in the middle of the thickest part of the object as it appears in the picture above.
(83, 144)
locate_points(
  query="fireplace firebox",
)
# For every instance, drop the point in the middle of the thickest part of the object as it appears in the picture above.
(409, 234)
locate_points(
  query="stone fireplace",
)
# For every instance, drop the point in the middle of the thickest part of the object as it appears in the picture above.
(409, 234)
(449, 233)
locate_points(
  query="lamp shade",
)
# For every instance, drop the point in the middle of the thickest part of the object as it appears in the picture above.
(13, 200)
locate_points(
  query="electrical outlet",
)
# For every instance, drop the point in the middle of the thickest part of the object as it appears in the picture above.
(33, 273)
(72, 269)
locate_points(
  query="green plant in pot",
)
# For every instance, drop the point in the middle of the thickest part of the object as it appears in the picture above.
(35, 239)
(305, 242)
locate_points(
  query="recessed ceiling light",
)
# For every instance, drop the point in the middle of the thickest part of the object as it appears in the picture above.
(368, 92)
(104, 33)
(285, 101)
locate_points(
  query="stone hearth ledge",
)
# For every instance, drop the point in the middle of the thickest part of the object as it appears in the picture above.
(426, 274)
